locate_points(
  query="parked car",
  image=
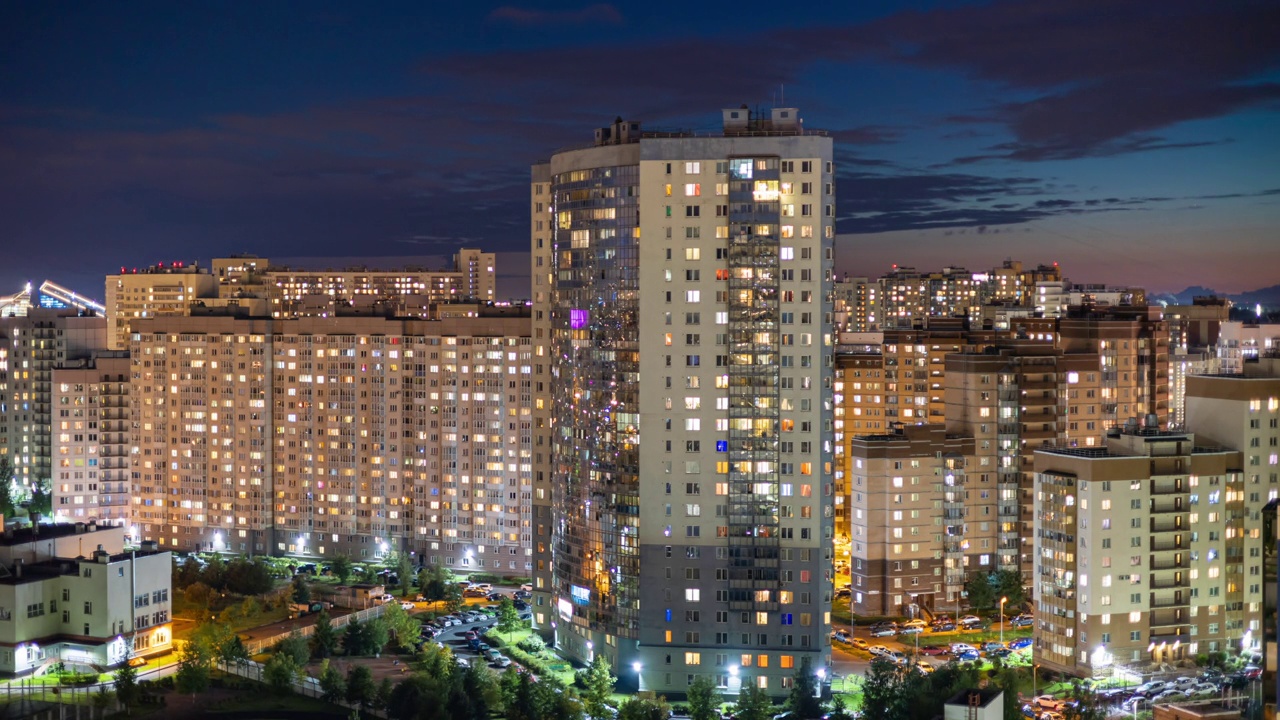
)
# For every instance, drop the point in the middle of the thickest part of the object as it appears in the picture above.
(968, 656)
(1204, 690)
(993, 645)
(970, 620)
(502, 661)
(1150, 689)
(1183, 682)
(886, 631)
(474, 592)
(1020, 643)
(1029, 712)
(913, 630)
(959, 647)
(844, 593)
(859, 643)
(527, 587)
(1136, 703)
(878, 650)
(420, 598)
(933, 650)
(970, 624)
(924, 667)
(1023, 621)
(1251, 672)
(1047, 702)
(944, 627)
(917, 623)
(1168, 696)
(999, 653)
(406, 605)
(841, 636)
(1051, 715)
(388, 597)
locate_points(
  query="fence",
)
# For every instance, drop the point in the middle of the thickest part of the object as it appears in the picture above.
(256, 647)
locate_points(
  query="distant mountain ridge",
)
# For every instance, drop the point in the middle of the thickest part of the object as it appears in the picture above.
(1267, 296)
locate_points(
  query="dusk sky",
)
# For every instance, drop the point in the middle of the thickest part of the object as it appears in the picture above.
(1132, 142)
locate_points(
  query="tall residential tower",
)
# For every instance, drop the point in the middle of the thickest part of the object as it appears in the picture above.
(685, 286)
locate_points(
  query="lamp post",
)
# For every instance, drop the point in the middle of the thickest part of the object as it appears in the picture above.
(1003, 600)
(637, 667)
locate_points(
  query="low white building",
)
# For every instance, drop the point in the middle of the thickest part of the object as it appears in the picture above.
(74, 593)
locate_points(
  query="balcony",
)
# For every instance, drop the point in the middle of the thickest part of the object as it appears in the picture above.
(1179, 581)
(1167, 545)
(1175, 601)
(1166, 507)
(1174, 563)
(1167, 524)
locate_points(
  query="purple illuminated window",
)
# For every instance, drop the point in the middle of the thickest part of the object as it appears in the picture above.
(578, 318)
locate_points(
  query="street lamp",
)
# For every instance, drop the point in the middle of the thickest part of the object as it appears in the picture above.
(822, 676)
(1003, 600)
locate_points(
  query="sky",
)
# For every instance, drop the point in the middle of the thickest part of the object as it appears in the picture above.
(1133, 141)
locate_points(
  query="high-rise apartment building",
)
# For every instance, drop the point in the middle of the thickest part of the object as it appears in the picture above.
(1242, 411)
(698, 320)
(157, 291)
(353, 435)
(1148, 551)
(908, 294)
(92, 437)
(857, 304)
(1239, 342)
(1132, 342)
(31, 346)
(901, 484)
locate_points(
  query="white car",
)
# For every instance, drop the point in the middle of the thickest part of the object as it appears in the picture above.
(387, 598)
(1204, 690)
(879, 651)
(406, 605)
(1184, 682)
(914, 624)
(1047, 702)
(957, 648)
(970, 620)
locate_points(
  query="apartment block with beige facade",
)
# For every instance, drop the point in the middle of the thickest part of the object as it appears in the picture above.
(1146, 552)
(156, 291)
(923, 516)
(92, 439)
(1242, 411)
(316, 437)
(31, 347)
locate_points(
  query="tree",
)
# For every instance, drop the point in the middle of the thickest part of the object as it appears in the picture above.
(880, 691)
(599, 681)
(360, 688)
(231, 651)
(296, 647)
(382, 696)
(301, 592)
(280, 672)
(402, 625)
(839, 711)
(1009, 679)
(803, 700)
(404, 571)
(1087, 704)
(355, 638)
(636, 708)
(754, 702)
(704, 699)
(342, 568)
(333, 686)
(982, 596)
(1007, 583)
(8, 498)
(248, 577)
(378, 635)
(41, 499)
(126, 684)
(194, 660)
(324, 641)
(453, 600)
(101, 700)
(508, 617)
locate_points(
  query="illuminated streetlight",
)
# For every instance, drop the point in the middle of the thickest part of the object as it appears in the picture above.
(636, 666)
(1003, 600)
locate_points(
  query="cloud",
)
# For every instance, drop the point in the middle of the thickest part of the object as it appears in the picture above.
(598, 14)
(1097, 79)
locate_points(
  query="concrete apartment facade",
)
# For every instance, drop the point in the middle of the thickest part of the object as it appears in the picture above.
(31, 347)
(706, 550)
(353, 435)
(156, 291)
(1145, 552)
(73, 593)
(92, 440)
(923, 517)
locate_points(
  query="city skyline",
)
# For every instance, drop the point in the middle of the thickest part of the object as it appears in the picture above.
(1126, 143)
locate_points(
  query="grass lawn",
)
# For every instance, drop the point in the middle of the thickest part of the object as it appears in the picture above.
(840, 614)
